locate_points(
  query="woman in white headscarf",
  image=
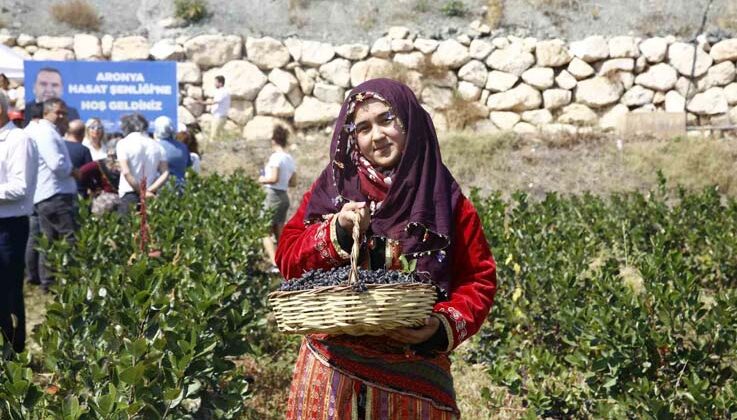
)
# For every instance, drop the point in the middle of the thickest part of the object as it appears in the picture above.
(175, 152)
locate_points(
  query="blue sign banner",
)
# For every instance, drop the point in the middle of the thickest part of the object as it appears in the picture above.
(104, 89)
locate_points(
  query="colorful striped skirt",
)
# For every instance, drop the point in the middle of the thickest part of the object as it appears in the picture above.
(319, 391)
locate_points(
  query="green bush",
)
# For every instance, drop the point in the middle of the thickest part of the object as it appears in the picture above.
(133, 335)
(19, 396)
(454, 8)
(623, 307)
(421, 6)
(190, 11)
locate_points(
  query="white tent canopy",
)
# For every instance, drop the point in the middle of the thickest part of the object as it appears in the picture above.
(11, 63)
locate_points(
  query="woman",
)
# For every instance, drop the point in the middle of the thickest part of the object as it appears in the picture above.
(94, 137)
(386, 168)
(175, 152)
(101, 178)
(188, 139)
(279, 174)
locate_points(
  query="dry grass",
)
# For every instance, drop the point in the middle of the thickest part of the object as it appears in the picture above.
(494, 13)
(556, 4)
(398, 72)
(565, 140)
(272, 374)
(426, 73)
(431, 70)
(477, 160)
(573, 164)
(505, 162)
(461, 113)
(693, 163)
(728, 18)
(596, 11)
(471, 382)
(295, 5)
(295, 9)
(367, 19)
(421, 6)
(78, 14)
(654, 22)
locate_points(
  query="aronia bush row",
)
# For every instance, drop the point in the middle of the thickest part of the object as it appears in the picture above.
(133, 336)
(615, 308)
(607, 307)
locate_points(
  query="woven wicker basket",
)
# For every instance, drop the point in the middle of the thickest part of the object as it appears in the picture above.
(341, 310)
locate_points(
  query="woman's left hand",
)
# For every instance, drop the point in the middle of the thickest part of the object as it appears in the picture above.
(415, 335)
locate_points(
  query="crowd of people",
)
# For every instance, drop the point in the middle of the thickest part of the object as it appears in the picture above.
(49, 162)
(50, 159)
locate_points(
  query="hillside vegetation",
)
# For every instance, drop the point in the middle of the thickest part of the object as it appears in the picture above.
(340, 21)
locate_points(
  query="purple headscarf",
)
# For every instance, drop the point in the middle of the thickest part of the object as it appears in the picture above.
(418, 209)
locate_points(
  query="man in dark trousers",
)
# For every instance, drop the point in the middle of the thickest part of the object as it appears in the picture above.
(18, 174)
(56, 190)
(79, 154)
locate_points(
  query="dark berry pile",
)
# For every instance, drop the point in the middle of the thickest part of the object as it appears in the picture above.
(339, 276)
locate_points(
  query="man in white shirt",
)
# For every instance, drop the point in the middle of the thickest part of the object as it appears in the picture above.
(219, 110)
(56, 190)
(141, 158)
(18, 171)
(35, 113)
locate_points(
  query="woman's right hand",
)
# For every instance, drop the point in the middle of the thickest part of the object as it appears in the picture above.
(345, 216)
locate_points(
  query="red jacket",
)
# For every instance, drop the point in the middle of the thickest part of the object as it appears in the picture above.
(379, 360)
(307, 247)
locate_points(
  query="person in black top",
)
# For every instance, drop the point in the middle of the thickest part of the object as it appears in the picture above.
(79, 154)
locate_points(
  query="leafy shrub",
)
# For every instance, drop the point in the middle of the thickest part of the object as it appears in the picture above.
(133, 335)
(608, 307)
(454, 8)
(421, 6)
(621, 307)
(19, 396)
(190, 11)
(78, 14)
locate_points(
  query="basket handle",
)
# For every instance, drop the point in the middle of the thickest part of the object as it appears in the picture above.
(355, 249)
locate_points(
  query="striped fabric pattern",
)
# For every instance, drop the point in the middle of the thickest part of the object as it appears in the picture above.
(320, 392)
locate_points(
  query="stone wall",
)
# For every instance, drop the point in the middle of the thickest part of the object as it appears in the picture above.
(503, 83)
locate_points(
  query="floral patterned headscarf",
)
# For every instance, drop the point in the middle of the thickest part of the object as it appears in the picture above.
(418, 205)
